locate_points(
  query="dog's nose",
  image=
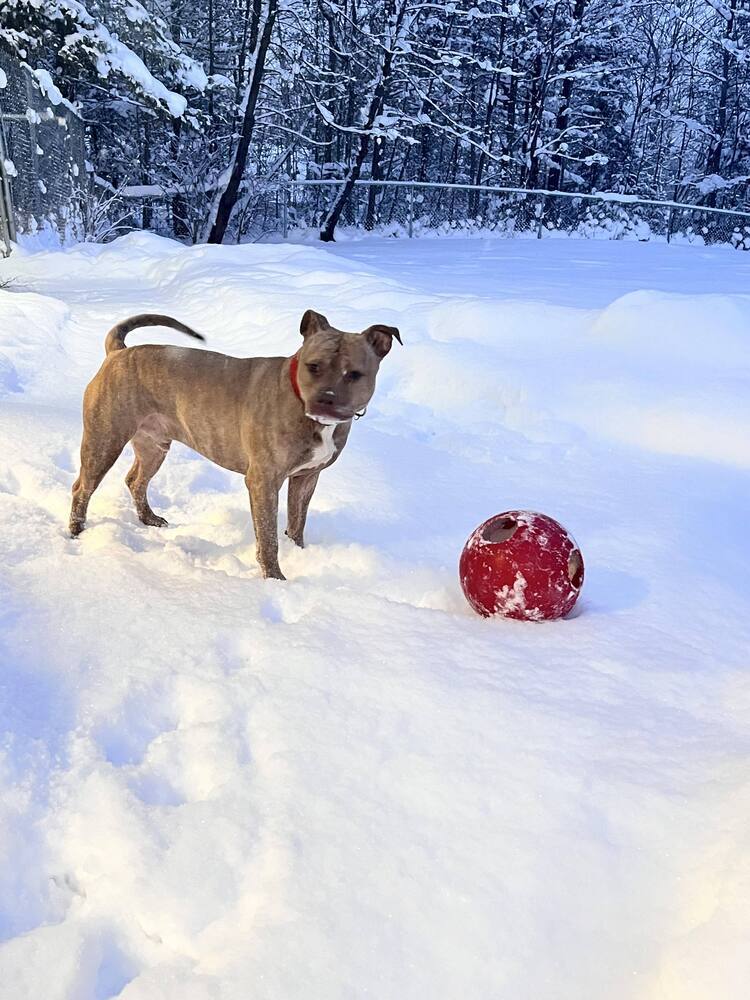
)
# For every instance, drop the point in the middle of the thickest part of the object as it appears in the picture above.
(329, 392)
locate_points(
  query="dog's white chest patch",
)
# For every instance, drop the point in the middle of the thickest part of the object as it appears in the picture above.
(322, 452)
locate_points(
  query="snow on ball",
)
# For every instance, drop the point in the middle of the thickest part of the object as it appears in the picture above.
(521, 565)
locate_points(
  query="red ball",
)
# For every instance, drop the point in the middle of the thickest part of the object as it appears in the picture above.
(521, 565)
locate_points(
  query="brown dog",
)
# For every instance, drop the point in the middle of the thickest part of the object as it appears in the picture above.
(269, 419)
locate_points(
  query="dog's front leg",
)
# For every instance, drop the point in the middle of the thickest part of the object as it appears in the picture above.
(264, 505)
(301, 489)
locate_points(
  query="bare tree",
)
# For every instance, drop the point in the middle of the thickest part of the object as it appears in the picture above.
(262, 19)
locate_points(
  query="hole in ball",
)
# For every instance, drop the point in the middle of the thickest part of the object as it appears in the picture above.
(575, 569)
(500, 531)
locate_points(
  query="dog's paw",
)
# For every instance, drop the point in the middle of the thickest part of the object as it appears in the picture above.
(153, 520)
(274, 573)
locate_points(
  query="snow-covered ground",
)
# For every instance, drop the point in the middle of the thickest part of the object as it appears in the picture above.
(348, 785)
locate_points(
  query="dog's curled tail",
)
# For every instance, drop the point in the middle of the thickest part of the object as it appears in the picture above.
(115, 340)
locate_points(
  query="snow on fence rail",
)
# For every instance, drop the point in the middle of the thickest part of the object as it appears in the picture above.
(412, 208)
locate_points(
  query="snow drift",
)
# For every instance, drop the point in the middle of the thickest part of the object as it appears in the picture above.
(349, 784)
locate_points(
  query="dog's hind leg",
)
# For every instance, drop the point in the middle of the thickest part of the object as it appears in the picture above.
(98, 454)
(149, 455)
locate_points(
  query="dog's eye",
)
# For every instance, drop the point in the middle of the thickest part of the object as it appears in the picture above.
(354, 376)
(313, 369)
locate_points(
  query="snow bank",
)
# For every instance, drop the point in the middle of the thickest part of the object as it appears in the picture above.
(348, 784)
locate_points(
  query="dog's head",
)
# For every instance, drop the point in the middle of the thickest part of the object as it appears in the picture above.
(336, 371)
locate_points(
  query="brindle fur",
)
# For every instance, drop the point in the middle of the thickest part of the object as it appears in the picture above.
(240, 413)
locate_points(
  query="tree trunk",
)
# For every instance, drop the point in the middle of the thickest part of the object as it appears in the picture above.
(179, 206)
(331, 220)
(562, 120)
(713, 160)
(377, 174)
(147, 215)
(229, 195)
(376, 105)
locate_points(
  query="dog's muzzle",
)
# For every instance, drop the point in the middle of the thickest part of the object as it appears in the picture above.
(325, 411)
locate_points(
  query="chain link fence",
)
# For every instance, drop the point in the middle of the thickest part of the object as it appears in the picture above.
(42, 159)
(422, 209)
(287, 208)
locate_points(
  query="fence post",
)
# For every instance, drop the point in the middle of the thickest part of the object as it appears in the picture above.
(284, 208)
(411, 211)
(539, 224)
(34, 145)
(670, 223)
(7, 220)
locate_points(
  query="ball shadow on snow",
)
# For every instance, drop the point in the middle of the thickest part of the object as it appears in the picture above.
(609, 590)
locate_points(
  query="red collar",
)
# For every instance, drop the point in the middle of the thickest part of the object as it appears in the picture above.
(293, 366)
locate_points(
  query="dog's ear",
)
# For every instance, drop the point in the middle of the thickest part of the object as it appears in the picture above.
(380, 338)
(312, 322)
